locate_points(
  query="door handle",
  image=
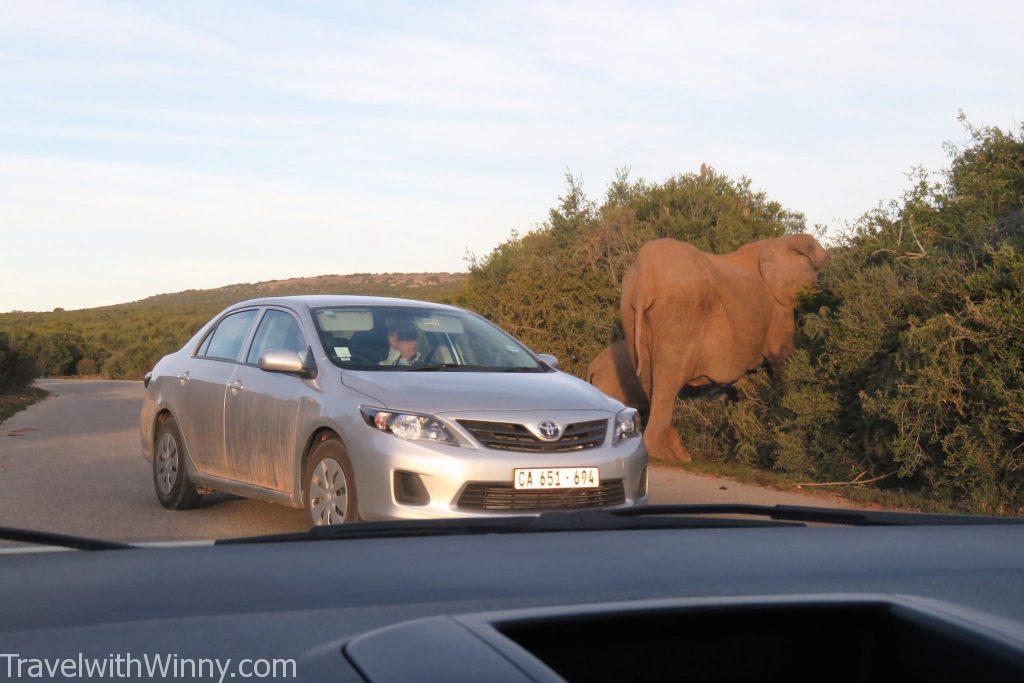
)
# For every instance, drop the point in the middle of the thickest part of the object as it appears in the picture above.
(236, 386)
(184, 378)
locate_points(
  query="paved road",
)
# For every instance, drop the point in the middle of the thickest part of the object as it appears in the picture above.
(71, 464)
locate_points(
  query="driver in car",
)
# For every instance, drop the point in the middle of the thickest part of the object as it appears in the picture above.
(403, 345)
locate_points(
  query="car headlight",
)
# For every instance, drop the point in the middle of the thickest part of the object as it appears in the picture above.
(627, 425)
(408, 426)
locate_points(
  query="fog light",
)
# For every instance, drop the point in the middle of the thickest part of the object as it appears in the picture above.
(641, 488)
(409, 489)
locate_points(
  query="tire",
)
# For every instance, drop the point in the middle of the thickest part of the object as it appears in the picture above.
(329, 478)
(174, 488)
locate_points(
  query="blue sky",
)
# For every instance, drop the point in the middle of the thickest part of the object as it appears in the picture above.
(148, 147)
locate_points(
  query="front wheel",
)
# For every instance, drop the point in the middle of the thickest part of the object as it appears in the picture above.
(174, 489)
(329, 486)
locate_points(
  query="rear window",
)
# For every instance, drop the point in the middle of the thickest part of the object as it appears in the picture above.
(226, 340)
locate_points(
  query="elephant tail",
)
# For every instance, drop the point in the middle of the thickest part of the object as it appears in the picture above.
(642, 348)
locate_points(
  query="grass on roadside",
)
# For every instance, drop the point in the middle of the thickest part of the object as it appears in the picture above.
(12, 402)
(889, 499)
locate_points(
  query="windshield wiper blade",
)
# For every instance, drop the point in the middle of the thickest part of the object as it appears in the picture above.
(582, 520)
(818, 515)
(646, 517)
(61, 540)
(462, 367)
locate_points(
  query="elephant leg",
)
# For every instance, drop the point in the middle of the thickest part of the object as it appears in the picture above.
(660, 437)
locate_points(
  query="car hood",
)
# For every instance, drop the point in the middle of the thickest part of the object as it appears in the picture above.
(443, 392)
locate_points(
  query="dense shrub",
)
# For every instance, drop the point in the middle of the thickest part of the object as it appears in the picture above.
(16, 367)
(54, 353)
(910, 353)
(87, 366)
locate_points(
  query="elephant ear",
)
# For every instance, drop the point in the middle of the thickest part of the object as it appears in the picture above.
(785, 269)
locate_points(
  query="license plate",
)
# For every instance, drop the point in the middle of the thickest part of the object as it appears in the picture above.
(556, 478)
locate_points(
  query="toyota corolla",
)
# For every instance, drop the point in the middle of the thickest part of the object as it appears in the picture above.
(365, 408)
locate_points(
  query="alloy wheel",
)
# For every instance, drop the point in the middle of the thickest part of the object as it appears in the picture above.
(167, 463)
(328, 494)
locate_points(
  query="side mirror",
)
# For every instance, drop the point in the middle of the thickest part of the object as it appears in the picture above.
(282, 360)
(548, 359)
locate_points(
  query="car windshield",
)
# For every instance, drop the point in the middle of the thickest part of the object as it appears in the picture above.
(266, 266)
(402, 338)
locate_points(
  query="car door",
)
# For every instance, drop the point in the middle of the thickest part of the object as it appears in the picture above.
(203, 386)
(262, 408)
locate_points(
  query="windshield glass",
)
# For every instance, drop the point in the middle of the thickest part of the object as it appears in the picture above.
(285, 264)
(394, 338)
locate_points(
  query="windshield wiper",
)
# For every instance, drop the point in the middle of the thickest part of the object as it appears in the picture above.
(466, 368)
(61, 540)
(584, 520)
(800, 513)
(647, 517)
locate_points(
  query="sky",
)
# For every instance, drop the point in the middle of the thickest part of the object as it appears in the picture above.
(150, 147)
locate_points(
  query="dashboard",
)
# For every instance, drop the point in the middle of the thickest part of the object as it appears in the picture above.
(839, 603)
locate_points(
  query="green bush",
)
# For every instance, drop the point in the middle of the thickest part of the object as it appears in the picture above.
(16, 367)
(911, 352)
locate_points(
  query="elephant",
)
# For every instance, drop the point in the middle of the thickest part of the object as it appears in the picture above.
(613, 373)
(693, 319)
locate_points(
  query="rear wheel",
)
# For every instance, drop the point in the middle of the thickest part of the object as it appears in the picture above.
(329, 486)
(174, 489)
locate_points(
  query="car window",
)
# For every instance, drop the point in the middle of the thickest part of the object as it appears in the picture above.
(205, 345)
(226, 341)
(277, 331)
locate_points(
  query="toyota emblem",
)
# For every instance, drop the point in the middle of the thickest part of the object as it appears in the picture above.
(549, 431)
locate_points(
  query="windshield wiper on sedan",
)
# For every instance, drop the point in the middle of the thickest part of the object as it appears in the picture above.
(60, 540)
(432, 366)
(466, 368)
(646, 517)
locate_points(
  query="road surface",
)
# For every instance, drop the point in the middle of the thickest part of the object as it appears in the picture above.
(71, 464)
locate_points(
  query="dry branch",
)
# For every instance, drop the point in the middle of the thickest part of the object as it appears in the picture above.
(856, 482)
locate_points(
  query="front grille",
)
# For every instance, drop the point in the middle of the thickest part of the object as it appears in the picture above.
(502, 497)
(508, 436)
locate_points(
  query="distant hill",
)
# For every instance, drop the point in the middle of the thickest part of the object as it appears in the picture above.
(403, 285)
(124, 340)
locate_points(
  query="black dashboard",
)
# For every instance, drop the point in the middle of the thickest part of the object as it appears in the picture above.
(814, 603)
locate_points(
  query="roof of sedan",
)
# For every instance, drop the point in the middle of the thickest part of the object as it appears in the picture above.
(317, 300)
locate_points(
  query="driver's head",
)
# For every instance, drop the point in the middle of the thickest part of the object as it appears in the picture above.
(403, 338)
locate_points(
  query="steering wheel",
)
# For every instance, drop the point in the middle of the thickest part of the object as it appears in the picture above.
(361, 359)
(430, 358)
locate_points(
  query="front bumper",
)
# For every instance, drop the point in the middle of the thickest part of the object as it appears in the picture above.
(446, 471)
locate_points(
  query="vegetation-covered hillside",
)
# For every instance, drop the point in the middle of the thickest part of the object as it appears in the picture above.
(124, 341)
(910, 354)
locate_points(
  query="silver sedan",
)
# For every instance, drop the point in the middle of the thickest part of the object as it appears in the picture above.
(371, 408)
